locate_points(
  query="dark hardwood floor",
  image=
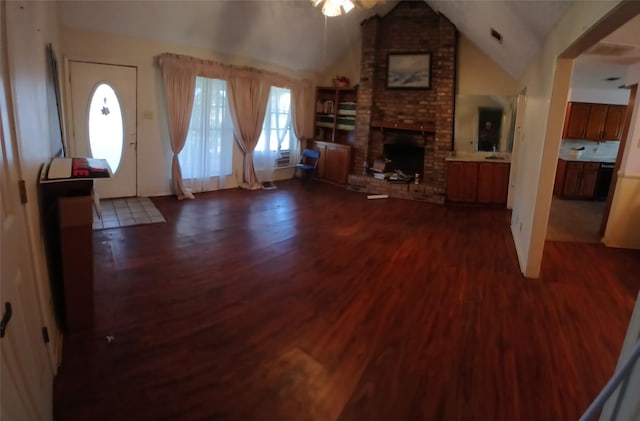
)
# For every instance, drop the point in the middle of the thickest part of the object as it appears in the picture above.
(310, 302)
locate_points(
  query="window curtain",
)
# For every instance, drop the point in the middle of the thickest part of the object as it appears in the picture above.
(276, 127)
(300, 111)
(207, 156)
(179, 79)
(248, 102)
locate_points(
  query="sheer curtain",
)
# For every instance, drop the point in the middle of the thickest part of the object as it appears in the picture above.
(300, 110)
(248, 97)
(275, 139)
(179, 79)
(207, 156)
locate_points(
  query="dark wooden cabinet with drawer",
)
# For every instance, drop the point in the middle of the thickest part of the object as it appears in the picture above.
(576, 179)
(485, 183)
(597, 122)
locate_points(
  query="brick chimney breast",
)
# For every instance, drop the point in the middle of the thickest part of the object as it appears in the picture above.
(410, 27)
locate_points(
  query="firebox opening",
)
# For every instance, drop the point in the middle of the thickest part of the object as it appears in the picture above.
(404, 155)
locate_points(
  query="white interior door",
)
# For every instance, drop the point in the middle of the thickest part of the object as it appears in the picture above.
(26, 377)
(103, 101)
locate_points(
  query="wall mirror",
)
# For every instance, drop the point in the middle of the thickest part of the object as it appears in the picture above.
(484, 122)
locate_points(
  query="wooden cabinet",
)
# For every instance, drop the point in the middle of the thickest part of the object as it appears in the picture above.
(335, 118)
(576, 179)
(493, 182)
(462, 182)
(595, 124)
(478, 182)
(575, 122)
(335, 160)
(594, 121)
(67, 215)
(613, 124)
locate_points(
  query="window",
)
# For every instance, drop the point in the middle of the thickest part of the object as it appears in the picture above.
(106, 136)
(208, 151)
(277, 135)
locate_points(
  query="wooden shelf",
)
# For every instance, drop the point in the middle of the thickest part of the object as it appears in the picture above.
(414, 127)
(335, 116)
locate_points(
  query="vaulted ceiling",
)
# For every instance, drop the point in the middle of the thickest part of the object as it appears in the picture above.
(295, 35)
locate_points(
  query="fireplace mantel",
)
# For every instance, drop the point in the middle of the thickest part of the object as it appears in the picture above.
(423, 128)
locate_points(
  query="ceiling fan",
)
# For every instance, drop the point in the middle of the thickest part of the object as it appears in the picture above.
(341, 7)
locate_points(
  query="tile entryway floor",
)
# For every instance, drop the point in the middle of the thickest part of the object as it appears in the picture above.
(126, 212)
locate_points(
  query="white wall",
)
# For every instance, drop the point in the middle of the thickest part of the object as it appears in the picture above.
(30, 27)
(539, 145)
(600, 96)
(623, 227)
(154, 151)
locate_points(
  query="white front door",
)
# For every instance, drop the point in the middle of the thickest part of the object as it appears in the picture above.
(103, 99)
(26, 377)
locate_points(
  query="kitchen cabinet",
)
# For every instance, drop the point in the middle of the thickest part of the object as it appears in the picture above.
(478, 182)
(334, 162)
(597, 122)
(493, 182)
(462, 182)
(612, 129)
(576, 179)
(575, 122)
(335, 117)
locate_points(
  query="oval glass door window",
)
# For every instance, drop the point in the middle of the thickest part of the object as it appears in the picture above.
(106, 135)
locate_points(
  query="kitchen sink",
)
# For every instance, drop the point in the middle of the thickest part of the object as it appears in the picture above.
(495, 158)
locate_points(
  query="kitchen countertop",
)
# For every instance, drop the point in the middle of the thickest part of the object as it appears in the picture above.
(479, 157)
(589, 158)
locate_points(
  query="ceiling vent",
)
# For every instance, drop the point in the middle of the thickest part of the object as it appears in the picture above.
(496, 35)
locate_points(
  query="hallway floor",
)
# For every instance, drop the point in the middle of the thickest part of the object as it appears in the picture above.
(575, 221)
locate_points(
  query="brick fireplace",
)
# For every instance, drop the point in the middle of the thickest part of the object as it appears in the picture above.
(422, 114)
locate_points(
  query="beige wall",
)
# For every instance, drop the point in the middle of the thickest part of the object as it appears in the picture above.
(538, 146)
(623, 227)
(348, 65)
(481, 82)
(478, 74)
(154, 151)
(30, 27)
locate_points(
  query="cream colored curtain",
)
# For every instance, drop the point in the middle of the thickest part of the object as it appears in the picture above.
(179, 78)
(248, 91)
(300, 110)
(248, 99)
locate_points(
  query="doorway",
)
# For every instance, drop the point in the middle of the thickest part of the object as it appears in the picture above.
(103, 102)
(26, 376)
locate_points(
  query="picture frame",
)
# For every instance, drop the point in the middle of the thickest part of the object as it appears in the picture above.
(409, 70)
